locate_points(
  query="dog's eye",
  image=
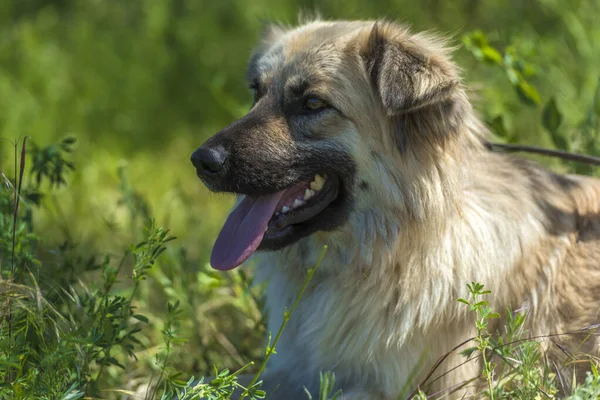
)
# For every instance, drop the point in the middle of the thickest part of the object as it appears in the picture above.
(314, 103)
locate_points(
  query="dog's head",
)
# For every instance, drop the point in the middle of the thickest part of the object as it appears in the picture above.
(346, 115)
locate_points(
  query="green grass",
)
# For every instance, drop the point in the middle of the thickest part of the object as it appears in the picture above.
(142, 83)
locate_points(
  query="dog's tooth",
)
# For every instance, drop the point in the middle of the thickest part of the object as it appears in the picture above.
(317, 184)
(297, 203)
(285, 209)
(308, 194)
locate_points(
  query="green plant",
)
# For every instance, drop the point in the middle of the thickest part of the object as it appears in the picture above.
(57, 336)
(517, 70)
(581, 137)
(590, 389)
(522, 371)
(326, 386)
(483, 313)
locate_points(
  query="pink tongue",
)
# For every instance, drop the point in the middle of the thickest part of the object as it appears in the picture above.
(243, 231)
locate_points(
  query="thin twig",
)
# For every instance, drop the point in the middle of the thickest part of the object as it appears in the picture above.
(436, 365)
(565, 155)
(468, 360)
(454, 388)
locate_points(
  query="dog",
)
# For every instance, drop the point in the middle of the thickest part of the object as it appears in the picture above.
(362, 138)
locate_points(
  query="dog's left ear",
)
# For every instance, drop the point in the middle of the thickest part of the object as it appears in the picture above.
(407, 74)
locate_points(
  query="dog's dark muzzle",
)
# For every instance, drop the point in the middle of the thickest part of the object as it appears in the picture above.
(215, 160)
(251, 156)
(210, 161)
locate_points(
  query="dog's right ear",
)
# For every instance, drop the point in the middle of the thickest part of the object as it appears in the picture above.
(408, 71)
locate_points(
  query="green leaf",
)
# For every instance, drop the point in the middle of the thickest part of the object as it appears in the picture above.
(113, 361)
(475, 287)
(491, 55)
(467, 352)
(551, 119)
(513, 76)
(528, 93)
(528, 71)
(477, 53)
(479, 38)
(498, 126)
(464, 301)
(69, 140)
(551, 116)
(308, 395)
(560, 142)
(141, 317)
(509, 55)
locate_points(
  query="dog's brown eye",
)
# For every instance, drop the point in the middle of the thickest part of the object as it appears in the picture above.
(313, 103)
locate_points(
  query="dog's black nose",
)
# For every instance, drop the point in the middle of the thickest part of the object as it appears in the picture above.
(210, 160)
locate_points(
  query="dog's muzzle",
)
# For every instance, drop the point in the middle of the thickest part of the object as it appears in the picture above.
(210, 161)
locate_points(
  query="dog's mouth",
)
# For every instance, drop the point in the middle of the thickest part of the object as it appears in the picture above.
(274, 220)
(301, 203)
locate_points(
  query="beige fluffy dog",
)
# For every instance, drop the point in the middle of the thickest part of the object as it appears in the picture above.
(362, 138)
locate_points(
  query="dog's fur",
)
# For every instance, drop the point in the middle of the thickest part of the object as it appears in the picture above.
(427, 210)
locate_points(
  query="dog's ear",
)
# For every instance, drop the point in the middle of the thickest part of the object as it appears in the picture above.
(409, 72)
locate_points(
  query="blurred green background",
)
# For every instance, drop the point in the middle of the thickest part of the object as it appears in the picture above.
(142, 83)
